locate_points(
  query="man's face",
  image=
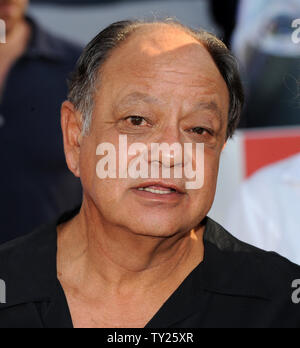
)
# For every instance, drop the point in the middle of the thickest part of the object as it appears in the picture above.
(12, 11)
(161, 86)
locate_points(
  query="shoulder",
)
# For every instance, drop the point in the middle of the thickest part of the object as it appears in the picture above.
(27, 244)
(28, 266)
(265, 273)
(52, 46)
(70, 49)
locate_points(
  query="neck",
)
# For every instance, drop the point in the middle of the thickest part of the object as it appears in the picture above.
(118, 259)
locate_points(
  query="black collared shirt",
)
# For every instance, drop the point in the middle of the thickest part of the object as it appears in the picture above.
(235, 286)
(35, 184)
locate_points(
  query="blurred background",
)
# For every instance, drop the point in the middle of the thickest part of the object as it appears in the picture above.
(81, 19)
(259, 186)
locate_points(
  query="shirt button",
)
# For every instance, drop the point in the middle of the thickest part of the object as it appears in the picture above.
(2, 121)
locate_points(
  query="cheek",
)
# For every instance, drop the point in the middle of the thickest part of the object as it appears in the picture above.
(107, 192)
(212, 164)
(88, 160)
(104, 191)
(211, 168)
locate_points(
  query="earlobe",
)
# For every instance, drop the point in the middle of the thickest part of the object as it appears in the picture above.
(71, 128)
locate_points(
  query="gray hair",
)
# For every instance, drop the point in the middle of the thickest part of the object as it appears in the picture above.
(85, 79)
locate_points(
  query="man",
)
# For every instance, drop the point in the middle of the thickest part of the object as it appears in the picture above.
(35, 182)
(140, 252)
(266, 210)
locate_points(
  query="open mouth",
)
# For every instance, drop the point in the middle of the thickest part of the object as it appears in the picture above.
(158, 190)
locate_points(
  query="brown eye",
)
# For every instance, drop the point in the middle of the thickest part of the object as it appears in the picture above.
(136, 120)
(199, 130)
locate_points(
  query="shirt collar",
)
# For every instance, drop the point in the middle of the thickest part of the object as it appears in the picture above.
(28, 265)
(228, 269)
(232, 267)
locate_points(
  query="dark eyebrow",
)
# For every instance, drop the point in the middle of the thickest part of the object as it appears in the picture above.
(211, 106)
(138, 97)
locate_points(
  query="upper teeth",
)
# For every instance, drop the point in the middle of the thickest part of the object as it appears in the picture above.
(155, 191)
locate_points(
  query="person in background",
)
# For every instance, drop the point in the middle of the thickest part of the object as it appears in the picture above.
(225, 15)
(270, 58)
(35, 184)
(266, 210)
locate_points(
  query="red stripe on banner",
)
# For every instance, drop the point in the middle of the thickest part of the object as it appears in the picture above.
(263, 148)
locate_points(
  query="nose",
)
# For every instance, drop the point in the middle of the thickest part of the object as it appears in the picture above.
(167, 148)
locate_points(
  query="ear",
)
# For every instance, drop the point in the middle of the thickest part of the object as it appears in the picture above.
(71, 128)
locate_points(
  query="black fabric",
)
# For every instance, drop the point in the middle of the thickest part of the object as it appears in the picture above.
(36, 185)
(235, 286)
(225, 15)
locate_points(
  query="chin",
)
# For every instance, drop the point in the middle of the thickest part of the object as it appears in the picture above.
(156, 233)
(158, 227)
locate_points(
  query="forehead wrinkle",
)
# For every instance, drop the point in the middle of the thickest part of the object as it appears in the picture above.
(139, 62)
(191, 78)
(142, 49)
